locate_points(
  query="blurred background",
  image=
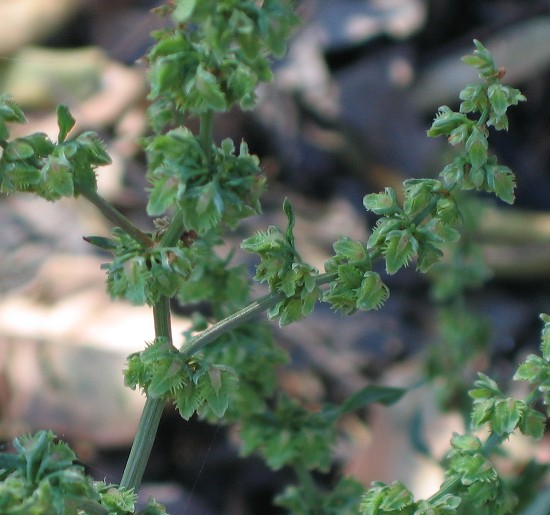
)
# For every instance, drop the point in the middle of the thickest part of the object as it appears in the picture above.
(346, 115)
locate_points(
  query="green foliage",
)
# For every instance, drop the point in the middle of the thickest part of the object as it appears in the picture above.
(213, 58)
(42, 477)
(473, 168)
(51, 170)
(193, 384)
(216, 55)
(284, 271)
(209, 190)
(344, 497)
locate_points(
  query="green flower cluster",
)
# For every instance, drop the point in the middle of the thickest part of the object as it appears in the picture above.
(471, 485)
(474, 168)
(209, 190)
(217, 54)
(42, 477)
(284, 271)
(355, 286)
(503, 414)
(290, 434)
(470, 479)
(193, 384)
(343, 498)
(51, 170)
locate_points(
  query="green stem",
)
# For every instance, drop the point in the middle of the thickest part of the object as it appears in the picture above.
(113, 215)
(143, 443)
(207, 336)
(419, 218)
(308, 484)
(247, 313)
(206, 132)
(152, 412)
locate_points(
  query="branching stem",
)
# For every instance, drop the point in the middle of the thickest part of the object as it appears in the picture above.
(114, 216)
(152, 411)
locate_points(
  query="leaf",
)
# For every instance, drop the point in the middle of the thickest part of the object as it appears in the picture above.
(466, 442)
(533, 424)
(10, 111)
(503, 183)
(184, 10)
(400, 249)
(497, 97)
(446, 121)
(476, 147)
(289, 212)
(209, 89)
(217, 387)
(167, 377)
(482, 412)
(534, 369)
(372, 292)
(65, 122)
(370, 394)
(18, 149)
(290, 311)
(545, 337)
(396, 498)
(101, 242)
(188, 400)
(506, 416)
(382, 203)
(428, 255)
(162, 196)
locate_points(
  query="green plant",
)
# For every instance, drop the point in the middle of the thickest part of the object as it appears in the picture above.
(213, 58)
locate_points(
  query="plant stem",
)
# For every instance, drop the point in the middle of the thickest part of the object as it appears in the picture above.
(152, 412)
(207, 336)
(205, 133)
(115, 216)
(308, 484)
(245, 314)
(143, 443)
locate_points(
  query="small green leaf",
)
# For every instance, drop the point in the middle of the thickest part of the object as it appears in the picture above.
(497, 97)
(290, 311)
(382, 203)
(476, 146)
(208, 87)
(502, 181)
(184, 10)
(101, 242)
(506, 416)
(428, 255)
(10, 111)
(18, 149)
(466, 442)
(289, 212)
(372, 293)
(396, 498)
(446, 121)
(65, 122)
(188, 400)
(534, 369)
(533, 424)
(401, 246)
(162, 196)
(370, 394)
(545, 337)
